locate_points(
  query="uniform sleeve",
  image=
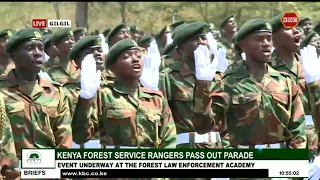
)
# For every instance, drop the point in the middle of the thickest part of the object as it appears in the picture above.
(8, 155)
(164, 85)
(62, 126)
(314, 102)
(210, 107)
(297, 124)
(85, 120)
(168, 131)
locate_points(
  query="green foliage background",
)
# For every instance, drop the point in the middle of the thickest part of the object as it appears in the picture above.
(150, 16)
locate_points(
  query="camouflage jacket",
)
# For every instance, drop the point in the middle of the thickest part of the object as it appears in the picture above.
(4, 72)
(309, 92)
(296, 73)
(232, 54)
(254, 112)
(121, 119)
(166, 61)
(107, 77)
(7, 148)
(68, 76)
(41, 120)
(177, 85)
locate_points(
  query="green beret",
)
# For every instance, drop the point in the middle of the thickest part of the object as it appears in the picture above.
(80, 30)
(23, 35)
(225, 21)
(307, 39)
(164, 30)
(45, 31)
(189, 30)
(176, 24)
(145, 39)
(47, 40)
(167, 50)
(115, 30)
(276, 22)
(118, 48)
(106, 32)
(84, 43)
(6, 33)
(181, 26)
(60, 34)
(252, 26)
(302, 20)
(134, 28)
(317, 27)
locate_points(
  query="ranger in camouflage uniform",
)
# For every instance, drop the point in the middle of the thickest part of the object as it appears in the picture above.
(177, 84)
(91, 45)
(126, 114)
(50, 49)
(64, 70)
(8, 158)
(162, 39)
(305, 24)
(79, 33)
(5, 62)
(135, 32)
(228, 30)
(120, 32)
(106, 33)
(285, 59)
(260, 106)
(312, 39)
(38, 110)
(170, 56)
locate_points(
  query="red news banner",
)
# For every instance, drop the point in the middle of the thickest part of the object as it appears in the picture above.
(45, 23)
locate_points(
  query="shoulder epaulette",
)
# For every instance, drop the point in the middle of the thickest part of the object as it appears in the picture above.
(150, 91)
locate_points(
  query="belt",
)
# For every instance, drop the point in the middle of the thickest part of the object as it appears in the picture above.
(211, 137)
(309, 120)
(126, 147)
(264, 146)
(92, 144)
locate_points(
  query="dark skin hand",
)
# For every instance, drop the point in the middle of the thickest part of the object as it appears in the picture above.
(4, 163)
(28, 58)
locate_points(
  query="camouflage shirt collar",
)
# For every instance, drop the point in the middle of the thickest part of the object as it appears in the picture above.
(185, 70)
(225, 42)
(118, 87)
(12, 81)
(242, 72)
(276, 61)
(105, 76)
